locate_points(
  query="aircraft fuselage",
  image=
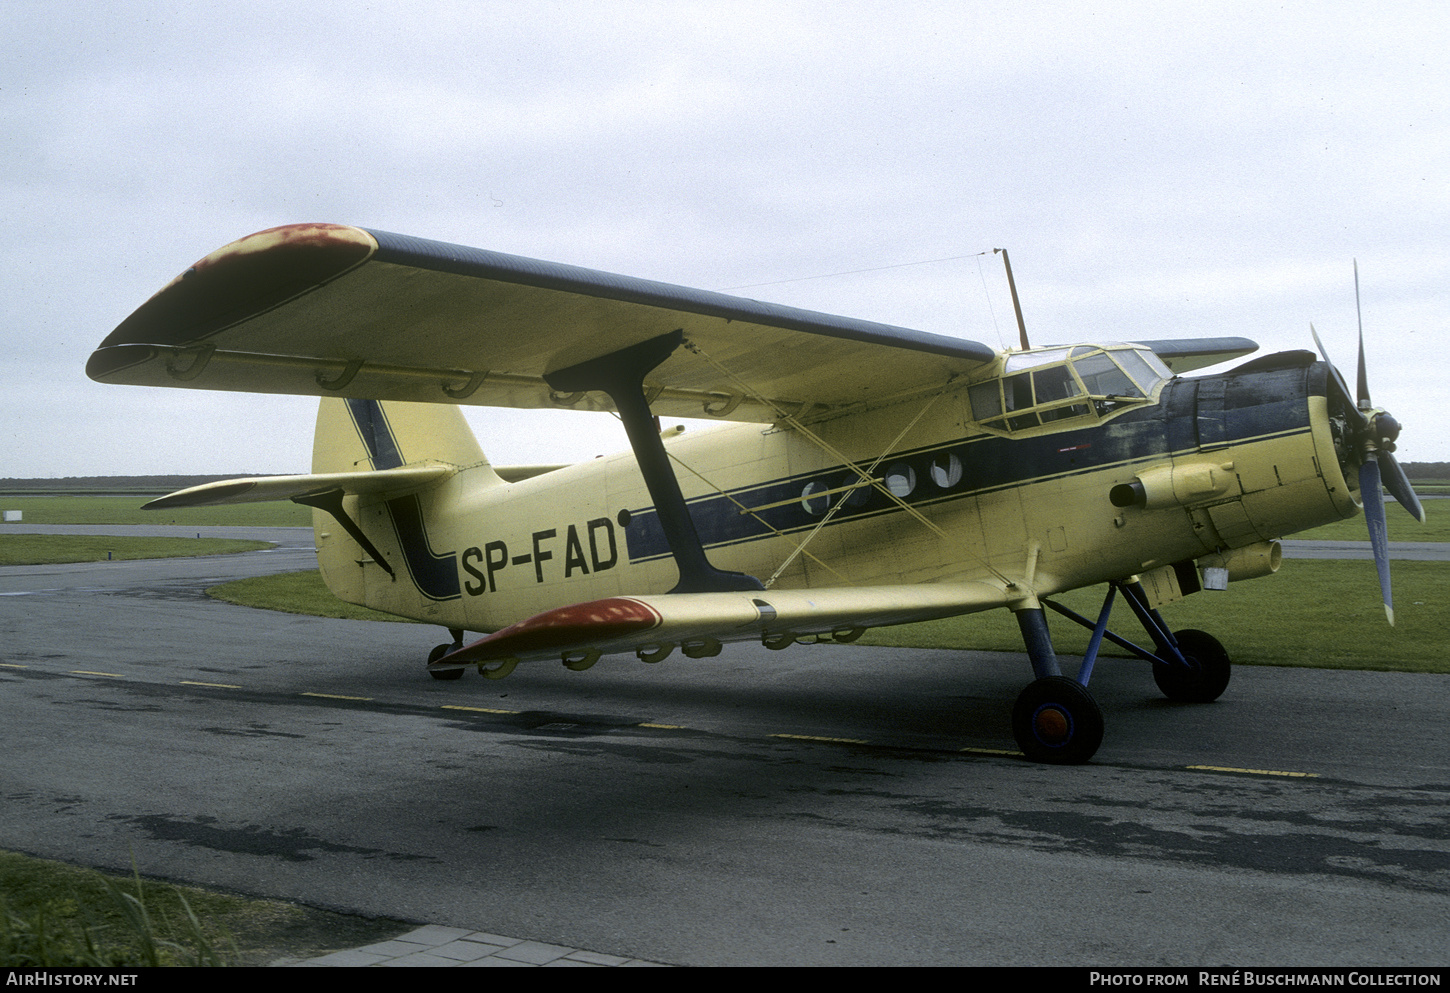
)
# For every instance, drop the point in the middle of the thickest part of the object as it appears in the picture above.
(1220, 463)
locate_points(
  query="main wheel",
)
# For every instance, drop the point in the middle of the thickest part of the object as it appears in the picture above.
(437, 654)
(1057, 720)
(1207, 675)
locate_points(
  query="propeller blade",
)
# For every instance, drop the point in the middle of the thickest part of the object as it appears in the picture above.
(1363, 394)
(1338, 379)
(1399, 486)
(1374, 516)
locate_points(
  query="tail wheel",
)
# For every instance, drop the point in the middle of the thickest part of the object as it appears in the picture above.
(437, 654)
(1207, 674)
(1057, 720)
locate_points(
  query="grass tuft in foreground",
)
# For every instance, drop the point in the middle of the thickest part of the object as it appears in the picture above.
(53, 914)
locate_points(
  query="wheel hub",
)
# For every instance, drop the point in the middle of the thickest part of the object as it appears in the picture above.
(1051, 725)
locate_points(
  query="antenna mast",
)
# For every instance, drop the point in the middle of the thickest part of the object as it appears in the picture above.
(1016, 304)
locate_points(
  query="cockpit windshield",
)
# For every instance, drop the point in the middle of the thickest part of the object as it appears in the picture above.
(1045, 386)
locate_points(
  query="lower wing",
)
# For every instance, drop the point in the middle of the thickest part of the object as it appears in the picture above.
(699, 623)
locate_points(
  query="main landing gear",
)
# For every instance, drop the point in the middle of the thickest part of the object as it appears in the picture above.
(442, 650)
(1057, 720)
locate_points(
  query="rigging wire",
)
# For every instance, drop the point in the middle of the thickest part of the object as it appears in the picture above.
(986, 293)
(851, 272)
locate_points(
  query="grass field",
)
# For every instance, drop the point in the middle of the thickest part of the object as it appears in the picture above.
(40, 549)
(127, 510)
(1317, 613)
(296, 593)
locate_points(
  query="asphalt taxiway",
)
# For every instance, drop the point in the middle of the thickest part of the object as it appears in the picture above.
(819, 805)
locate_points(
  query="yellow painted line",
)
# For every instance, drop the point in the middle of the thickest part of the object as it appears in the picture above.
(1254, 772)
(339, 696)
(663, 727)
(87, 672)
(12, 665)
(220, 686)
(481, 710)
(812, 737)
(992, 751)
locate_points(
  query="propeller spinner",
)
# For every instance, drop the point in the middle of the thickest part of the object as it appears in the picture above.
(1372, 434)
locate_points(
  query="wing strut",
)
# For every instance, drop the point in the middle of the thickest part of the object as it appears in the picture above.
(621, 375)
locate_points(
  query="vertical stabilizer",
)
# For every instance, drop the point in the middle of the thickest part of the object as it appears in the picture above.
(408, 564)
(373, 434)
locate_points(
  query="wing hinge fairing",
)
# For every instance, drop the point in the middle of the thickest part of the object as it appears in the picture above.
(207, 367)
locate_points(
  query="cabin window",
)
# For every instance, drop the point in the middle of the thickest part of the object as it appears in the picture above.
(986, 401)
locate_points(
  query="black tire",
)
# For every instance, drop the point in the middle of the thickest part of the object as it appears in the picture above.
(435, 655)
(1056, 720)
(1208, 674)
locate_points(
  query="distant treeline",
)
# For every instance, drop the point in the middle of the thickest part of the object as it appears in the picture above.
(1426, 470)
(110, 484)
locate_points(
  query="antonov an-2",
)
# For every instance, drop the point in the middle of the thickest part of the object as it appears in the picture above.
(873, 475)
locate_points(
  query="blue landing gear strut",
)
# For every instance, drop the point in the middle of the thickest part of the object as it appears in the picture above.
(1056, 719)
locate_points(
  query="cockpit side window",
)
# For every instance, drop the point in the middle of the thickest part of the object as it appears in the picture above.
(1140, 366)
(1102, 377)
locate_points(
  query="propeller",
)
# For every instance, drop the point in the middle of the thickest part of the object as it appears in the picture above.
(1373, 432)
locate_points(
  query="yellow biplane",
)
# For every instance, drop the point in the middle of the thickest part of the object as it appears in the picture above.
(870, 475)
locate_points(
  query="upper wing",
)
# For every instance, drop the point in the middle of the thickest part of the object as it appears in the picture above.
(323, 309)
(1195, 353)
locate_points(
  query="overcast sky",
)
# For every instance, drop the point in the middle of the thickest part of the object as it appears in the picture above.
(1156, 169)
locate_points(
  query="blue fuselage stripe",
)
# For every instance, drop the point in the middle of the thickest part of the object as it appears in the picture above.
(1238, 408)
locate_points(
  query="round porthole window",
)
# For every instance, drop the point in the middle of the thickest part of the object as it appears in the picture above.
(901, 479)
(858, 497)
(946, 470)
(813, 499)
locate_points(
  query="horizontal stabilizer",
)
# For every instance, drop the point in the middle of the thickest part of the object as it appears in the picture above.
(259, 489)
(518, 473)
(701, 622)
